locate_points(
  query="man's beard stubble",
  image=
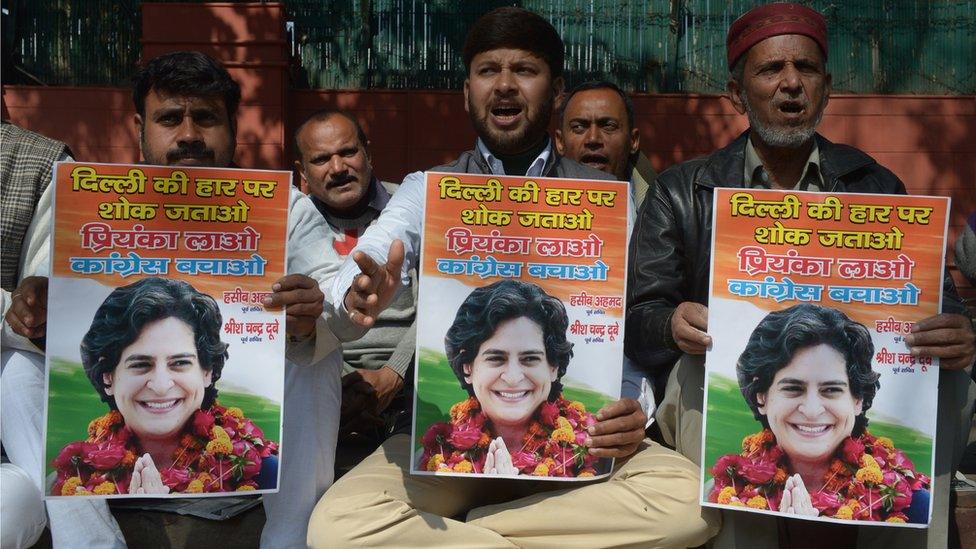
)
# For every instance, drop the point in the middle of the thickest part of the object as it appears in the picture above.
(513, 142)
(787, 138)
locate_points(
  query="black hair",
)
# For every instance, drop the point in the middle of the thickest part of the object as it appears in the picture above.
(187, 73)
(515, 28)
(324, 114)
(782, 334)
(123, 315)
(598, 85)
(485, 308)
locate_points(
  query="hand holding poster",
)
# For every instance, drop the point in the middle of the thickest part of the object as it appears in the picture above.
(165, 372)
(520, 324)
(815, 406)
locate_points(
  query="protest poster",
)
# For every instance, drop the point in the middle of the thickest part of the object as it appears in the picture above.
(815, 406)
(165, 372)
(520, 324)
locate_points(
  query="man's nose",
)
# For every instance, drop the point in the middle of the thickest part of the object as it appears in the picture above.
(790, 79)
(505, 83)
(593, 138)
(189, 131)
(336, 164)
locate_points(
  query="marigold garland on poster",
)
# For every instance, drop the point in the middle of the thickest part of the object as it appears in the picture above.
(554, 446)
(221, 451)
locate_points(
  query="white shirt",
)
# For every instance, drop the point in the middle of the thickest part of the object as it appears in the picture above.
(306, 232)
(403, 219)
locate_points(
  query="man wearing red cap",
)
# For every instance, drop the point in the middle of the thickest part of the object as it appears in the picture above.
(777, 55)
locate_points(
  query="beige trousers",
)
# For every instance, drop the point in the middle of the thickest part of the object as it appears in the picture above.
(650, 500)
(680, 419)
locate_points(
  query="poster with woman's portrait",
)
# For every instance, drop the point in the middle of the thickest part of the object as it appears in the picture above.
(165, 371)
(815, 407)
(520, 324)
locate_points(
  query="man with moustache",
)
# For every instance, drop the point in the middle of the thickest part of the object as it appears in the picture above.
(186, 105)
(514, 60)
(596, 128)
(337, 173)
(777, 56)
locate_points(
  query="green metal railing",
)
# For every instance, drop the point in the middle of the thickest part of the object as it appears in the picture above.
(876, 46)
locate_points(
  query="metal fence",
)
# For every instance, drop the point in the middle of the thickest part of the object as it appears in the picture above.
(876, 46)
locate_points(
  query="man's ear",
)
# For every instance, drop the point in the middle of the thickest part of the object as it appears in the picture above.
(733, 90)
(558, 87)
(560, 146)
(467, 82)
(107, 381)
(137, 120)
(634, 140)
(302, 182)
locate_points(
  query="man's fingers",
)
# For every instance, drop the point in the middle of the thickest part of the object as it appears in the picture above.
(293, 281)
(295, 296)
(691, 336)
(622, 407)
(614, 452)
(20, 328)
(394, 261)
(940, 336)
(945, 320)
(944, 351)
(617, 439)
(693, 314)
(366, 264)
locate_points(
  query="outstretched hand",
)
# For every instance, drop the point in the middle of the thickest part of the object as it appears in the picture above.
(619, 429)
(27, 315)
(948, 337)
(374, 288)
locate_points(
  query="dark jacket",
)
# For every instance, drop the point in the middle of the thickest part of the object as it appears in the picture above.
(670, 250)
(556, 166)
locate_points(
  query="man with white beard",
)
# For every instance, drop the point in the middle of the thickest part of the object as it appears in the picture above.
(777, 59)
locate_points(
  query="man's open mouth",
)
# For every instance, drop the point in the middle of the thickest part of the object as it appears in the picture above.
(505, 115)
(791, 108)
(594, 160)
(160, 406)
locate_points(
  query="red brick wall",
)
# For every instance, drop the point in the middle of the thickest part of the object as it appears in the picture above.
(930, 142)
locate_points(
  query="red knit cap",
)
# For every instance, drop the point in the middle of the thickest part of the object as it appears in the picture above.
(763, 22)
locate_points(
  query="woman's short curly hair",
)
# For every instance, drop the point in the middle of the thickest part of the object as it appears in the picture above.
(485, 308)
(782, 334)
(121, 318)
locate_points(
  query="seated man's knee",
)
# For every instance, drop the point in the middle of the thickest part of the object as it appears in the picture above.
(21, 508)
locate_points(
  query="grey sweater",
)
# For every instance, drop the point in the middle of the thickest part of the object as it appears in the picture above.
(392, 340)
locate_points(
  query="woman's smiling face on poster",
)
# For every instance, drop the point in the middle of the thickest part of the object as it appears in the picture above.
(809, 405)
(511, 375)
(158, 383)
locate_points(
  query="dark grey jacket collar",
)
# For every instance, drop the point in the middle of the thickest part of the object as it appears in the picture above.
(725, 168)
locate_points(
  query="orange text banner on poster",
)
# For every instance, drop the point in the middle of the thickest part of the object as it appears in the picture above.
(165, 371)
(543, 258)
(809, 377)
(119, 222)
